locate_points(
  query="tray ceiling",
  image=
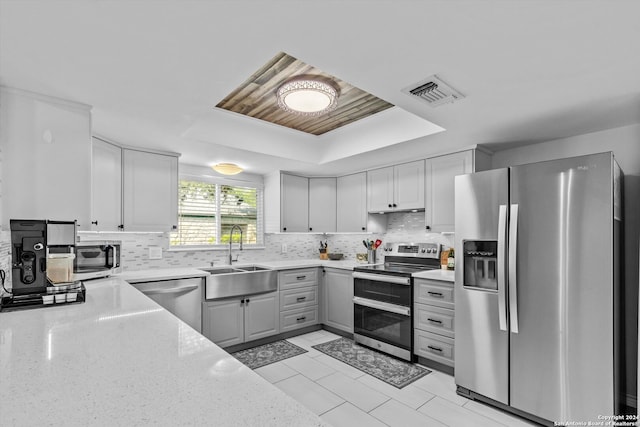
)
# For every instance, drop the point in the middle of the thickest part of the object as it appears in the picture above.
(256, 97)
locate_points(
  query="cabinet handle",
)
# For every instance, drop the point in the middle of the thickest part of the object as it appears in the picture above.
(435, 294)
(301, 299)
(432, 348)
(435, 321)
(428, 227)
(300, 319)
(301, 277)
(94, 222)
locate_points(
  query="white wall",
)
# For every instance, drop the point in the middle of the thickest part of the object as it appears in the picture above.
(624, 142)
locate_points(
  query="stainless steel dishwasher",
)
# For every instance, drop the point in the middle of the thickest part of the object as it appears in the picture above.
(182, 297)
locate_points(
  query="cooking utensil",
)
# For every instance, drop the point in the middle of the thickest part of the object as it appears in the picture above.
(377, 244)
(366, 245)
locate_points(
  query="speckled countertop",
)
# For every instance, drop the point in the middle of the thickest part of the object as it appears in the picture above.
(175, 273)
(444, 275)
(121, 359)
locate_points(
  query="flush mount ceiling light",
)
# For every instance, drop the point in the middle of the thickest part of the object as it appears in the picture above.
(227, 168)
(307, 96)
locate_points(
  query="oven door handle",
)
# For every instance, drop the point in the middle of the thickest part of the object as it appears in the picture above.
(406, 311)
(382, 278)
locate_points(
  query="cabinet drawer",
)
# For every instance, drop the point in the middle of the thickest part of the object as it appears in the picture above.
(434, 319)
(299, 278)
(434, 347)
(298, 298)
(434, 292)
(299, 318)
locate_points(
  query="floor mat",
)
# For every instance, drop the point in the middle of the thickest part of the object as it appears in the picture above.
(393, 371)
(266, 354)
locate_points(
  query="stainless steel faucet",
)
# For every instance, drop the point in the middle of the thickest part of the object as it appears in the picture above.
(233, 227)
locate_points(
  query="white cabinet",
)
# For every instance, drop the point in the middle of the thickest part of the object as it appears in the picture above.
(150, 199)
(322, 204)
(298, 298)
(46, 150)
(351, 203)
(338, 299)
(440, 178)
(434, 320)
(294, 202)
(106, 186)
(396, 188)
(233, 321)
(133, 190)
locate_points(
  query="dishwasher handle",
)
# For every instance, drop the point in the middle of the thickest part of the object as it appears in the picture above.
(170, 290)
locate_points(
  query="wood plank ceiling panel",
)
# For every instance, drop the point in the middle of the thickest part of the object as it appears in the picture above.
(256, 97)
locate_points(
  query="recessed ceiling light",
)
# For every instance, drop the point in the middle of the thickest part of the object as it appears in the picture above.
(227, 168)
(307, 96)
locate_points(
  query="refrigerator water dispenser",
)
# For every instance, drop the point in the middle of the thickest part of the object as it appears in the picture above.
(480, 264)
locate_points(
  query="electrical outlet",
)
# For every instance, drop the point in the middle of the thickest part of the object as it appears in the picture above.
(155, 252)
(284, 248)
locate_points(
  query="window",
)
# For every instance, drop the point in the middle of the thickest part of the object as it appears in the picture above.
(208, 210)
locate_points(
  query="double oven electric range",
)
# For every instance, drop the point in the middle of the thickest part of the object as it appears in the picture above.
(383, 297)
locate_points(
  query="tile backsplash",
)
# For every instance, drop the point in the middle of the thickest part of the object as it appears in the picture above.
(401, 227)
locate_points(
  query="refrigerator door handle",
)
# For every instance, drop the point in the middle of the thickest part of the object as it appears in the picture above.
(502, 240)
(513, 284)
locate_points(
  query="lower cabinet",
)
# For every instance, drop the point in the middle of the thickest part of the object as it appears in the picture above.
(233, 321)
(298, 298)
(434, 320)
(338, 299)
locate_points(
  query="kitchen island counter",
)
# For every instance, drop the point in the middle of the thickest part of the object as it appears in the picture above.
(121, 359)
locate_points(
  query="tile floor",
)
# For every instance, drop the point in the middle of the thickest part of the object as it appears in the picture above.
(344, 396)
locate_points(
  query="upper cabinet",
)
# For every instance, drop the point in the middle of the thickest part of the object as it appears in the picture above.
(294, 203)
(351, 203)
(133, 190)
(46, 150)
(396, 188)
(299, 204)
(440, 181)
(322, 204)
(150, 197)
(106, 186)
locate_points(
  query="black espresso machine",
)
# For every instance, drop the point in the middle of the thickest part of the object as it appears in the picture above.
(42, 254)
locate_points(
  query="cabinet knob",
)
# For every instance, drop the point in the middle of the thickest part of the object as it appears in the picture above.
(395, 206)
(428, 227)
(174, 227)
(284, 228)
(94, 222)
(389, 204)
(364, 228)
(121, 226)
(310, 229)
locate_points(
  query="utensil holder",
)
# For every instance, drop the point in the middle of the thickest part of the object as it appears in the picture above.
(371, 256)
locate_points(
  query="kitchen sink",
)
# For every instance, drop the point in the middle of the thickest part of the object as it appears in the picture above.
(227, 282)
(220, 270)
(251, 268)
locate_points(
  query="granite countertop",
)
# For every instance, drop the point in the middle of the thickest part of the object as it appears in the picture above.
(121, 359)
(183, 272)
(444, 275)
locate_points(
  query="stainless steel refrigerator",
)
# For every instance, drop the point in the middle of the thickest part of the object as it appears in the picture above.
(537, 287)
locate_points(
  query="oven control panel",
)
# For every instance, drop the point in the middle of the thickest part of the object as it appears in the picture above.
(416, 250)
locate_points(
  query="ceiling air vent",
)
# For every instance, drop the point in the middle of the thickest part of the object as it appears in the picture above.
(433, 91)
